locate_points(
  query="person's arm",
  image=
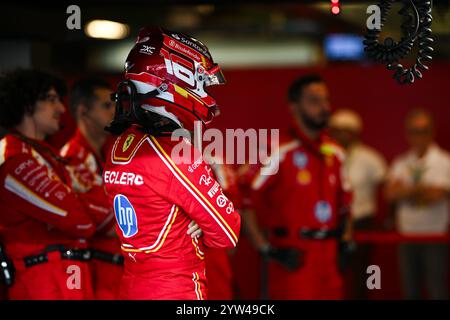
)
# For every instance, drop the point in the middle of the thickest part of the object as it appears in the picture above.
(96, 203)
(396, 190)
(429, 194)
(88, 185)
(40, 195)
(202, 199)
(253, 231)
(425, 194)
(344, 197)
(256, 192)
(289, 257)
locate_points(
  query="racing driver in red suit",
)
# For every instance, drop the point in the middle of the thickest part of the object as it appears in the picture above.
(43, 222)
(158, 185)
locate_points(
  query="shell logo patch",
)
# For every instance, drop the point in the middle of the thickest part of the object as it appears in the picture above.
(303, 177)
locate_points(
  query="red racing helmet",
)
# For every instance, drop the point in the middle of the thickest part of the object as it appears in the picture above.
(169, 72)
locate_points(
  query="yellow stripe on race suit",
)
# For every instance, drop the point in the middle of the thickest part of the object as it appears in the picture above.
(19, 189)
(165, 233)
(161, 237)
(198, 252)
(124, 160)
(230, 233)
(197, 286)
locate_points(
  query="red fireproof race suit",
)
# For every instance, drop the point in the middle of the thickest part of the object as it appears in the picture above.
(41, 217)
(218, 265)
(86, 169)
(156, 192)
(306, 193)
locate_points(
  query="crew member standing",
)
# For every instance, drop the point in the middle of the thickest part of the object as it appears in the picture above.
(43, 222)
(306, 202)
(365, 169)
(419, 185)
(93, 110)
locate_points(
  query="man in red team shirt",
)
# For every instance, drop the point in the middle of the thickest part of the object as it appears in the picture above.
(43, 222)
(156, 191)
(92, 108)
(305, 203)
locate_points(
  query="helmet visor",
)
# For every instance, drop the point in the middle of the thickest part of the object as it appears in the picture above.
(214, 76)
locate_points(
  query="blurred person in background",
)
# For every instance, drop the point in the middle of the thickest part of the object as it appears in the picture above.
(365, 170)
(43, 221)
(307, 200)
(419, 185)
(92, 109)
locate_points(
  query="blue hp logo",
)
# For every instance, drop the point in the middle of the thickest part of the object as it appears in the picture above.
(125, 216)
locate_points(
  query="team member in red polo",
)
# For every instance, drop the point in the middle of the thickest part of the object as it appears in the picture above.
(93, 110)
(306, 202)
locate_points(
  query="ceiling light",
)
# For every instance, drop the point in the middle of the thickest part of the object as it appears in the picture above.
(106, 29)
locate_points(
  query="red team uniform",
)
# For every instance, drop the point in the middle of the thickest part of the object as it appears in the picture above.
(305, 204)
(155, 197)
(106, 263)
(218, 264)
(44, 223)
(156, 192)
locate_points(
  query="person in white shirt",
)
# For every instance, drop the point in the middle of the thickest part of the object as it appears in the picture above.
(419, 185)
(365, 170)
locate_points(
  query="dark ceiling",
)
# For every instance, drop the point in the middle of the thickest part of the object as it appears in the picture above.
(45, 23)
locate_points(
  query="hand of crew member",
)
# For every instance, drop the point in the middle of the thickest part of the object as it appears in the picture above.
(194, 230)
(289, 257)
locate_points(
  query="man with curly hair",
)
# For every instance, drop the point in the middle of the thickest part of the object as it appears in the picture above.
(43, 222)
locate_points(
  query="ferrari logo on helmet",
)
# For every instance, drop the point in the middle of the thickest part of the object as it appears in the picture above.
(127, 142)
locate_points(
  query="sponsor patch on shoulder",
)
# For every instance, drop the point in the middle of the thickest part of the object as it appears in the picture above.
(127, 142)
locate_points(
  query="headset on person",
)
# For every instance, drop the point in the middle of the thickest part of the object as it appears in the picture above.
(125, 116)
